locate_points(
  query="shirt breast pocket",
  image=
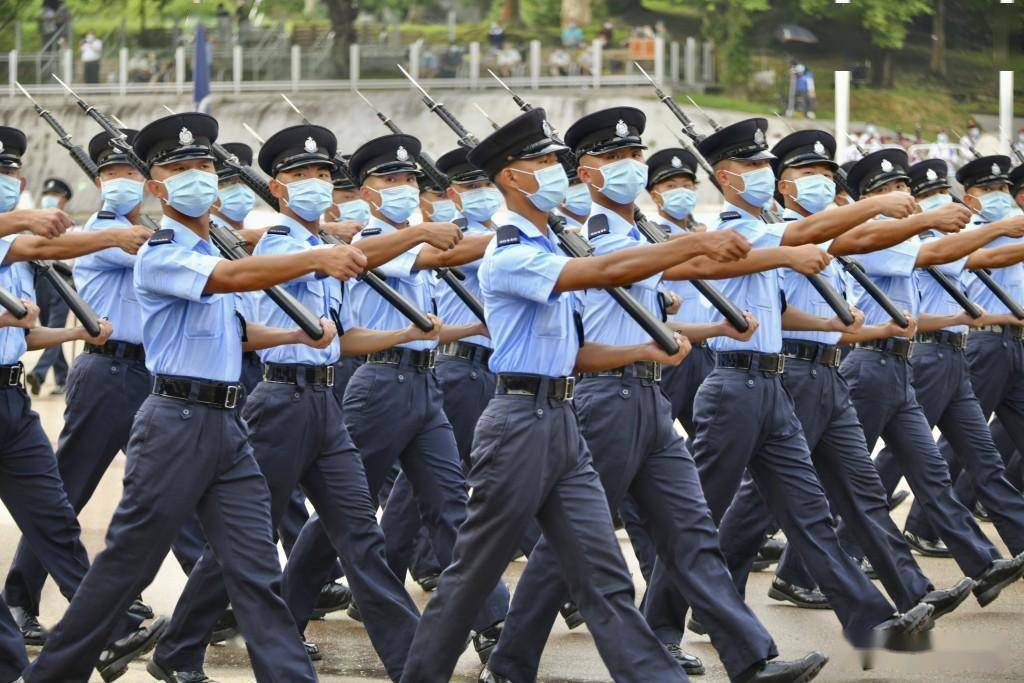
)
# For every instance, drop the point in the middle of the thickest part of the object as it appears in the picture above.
(553, 321)
(206, 321)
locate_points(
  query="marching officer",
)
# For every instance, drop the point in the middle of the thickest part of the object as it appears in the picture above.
(576, 206)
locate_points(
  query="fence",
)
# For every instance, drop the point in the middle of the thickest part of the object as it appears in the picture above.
(276, 67)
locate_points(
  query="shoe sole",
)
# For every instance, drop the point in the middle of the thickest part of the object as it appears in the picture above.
(158, 672)
(223, 635)
(987, 597)
(34, 642)
(949, 608)
(941, 554)
(760, 565)
(574, 620)
(812, 671)
(693, 670)
(776, 594)
(119, 667)
(898, 499)
(696, 628)
(915, 636)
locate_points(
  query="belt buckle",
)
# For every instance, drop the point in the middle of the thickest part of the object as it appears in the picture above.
(782, 364)
(569, 390)
(231, 399)
(657, 372)
(431, 358)
(330, 375)
(14, 376)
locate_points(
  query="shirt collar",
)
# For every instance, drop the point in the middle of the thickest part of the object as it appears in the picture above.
(790, 213)
(524, 226)
(742, 212)
(384, 226)
(184, 236)
(616, 223)
(297, 230)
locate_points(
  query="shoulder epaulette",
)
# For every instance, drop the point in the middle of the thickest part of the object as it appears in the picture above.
(369, 232)
(597, 225)
(279, 230)
(462, 223)
(508, 234)
(790, 218)
(105, 215)
(165, 236)
(729, 215)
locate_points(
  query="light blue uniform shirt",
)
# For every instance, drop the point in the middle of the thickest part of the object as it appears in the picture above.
(695, 309)
(16, 278)
(449, 306)
(892, 270)
(932, 297)
(321, 295)
(105, 281)
(371, 311)
(759, 293)
(801, 294)
(186, 332)
(1010, 278)
(248, 302)
(604, 321)
(532, 326)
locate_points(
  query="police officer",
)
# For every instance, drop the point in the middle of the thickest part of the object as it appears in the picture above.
(393, 404)
(878, 371)
(193, 338)
(527, 445)
(1017, 185)
(627, 424)
(576, 205)
(53, 310)
(348, 205)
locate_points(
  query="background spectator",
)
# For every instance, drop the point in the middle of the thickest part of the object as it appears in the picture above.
(91, 51)
(606, 34)
(451, 60)
(496, 36)
(559, 62)
(509, 60)
(572, 35)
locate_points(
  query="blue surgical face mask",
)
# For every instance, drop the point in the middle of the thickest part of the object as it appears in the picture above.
(192, 192)
(552, 184)
(398, 203)
(236, 201)
(814, 192)
(121, 195)
(10, 190)
(49, 201)
(354, 210)
(934, 202)
(678, 202)
(309, 198)
(995, 205)
(442, 211)
(624, 180)
(758, 186)
(480, 204)
(578, 200)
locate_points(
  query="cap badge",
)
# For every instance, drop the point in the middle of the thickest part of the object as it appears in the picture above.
(931, 174)
(1, 148)
(621, 129)
(185, 137)
(309, 145)
(758, 137)
(401, 154)
(996, 170)
(547, 129)
(886, 166)
(677, 162)
(819, 148)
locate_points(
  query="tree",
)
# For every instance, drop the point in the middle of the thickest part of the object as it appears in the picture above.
(938, 61)
(510, 13)
(343, 15)
(728, 24)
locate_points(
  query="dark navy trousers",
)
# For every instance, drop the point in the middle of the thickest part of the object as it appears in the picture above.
(53, 312)
(882, 389)
(745, 419)
(183, 456)
(628, 427)
(395, 414)
(299, 438)
(13, 658)
(822, 402)
(531, 463)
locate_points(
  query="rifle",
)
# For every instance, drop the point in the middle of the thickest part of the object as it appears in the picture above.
(12, 304)
(450, 278)
(571, 243)
(224, 238)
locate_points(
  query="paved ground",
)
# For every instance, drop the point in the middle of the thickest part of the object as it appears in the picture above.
(972, 644)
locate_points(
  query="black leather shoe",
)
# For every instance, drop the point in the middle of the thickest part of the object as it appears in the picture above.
(159, 672)
(429, 582)
(488, 676)
(771, 550)
(226, 627)
(691, 664)
(796, 671)
(353, 612)
(897, 499)
(906, 632)
(140, 609)
(33, 382)
(113, 662)
(333, 598)
(1000, 575)
(867, 568)
(31, 630)
(484, 641)
(312, 650)
(948, 599)
(696, 626)
(571, 615)
(784, 591)
(925, 546)
(980, 513)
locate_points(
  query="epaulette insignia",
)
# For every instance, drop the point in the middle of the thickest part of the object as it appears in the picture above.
(106, 215)
(597, 226)
(508, 234)
(369, 232)
(165, 236)
(790, 218)
(279, 230)
(729, 215)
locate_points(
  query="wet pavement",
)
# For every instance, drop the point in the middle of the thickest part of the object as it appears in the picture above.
(972, 644)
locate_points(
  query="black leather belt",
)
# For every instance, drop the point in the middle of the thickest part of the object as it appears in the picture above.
(897, 346)
(773, 363)
(118, 349)
(556, 388)
(290, 374)
(466, 350)
(11, 375)
(957, 340)
(218, 394)
(251, 357)
(828, 355)
(1014, 331)
(416, 359)
(644, 369)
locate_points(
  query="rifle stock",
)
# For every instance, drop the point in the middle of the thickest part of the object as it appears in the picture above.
(12, 304)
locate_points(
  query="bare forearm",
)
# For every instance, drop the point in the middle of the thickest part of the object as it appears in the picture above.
(598, 357)
(254, 273)
(67, 246)
(798, 320)
(45, 337)
(866, 333)
(997, 257)
(704, 268)
(263, 337)
(468, 250)
(930, 323)
(360, 341)
(953, 247)
(876, 235)
(450, 333)
(698, 332)
(380, 249)
(826, 225)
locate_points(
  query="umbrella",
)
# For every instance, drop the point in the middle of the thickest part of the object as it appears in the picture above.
(791, 33)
